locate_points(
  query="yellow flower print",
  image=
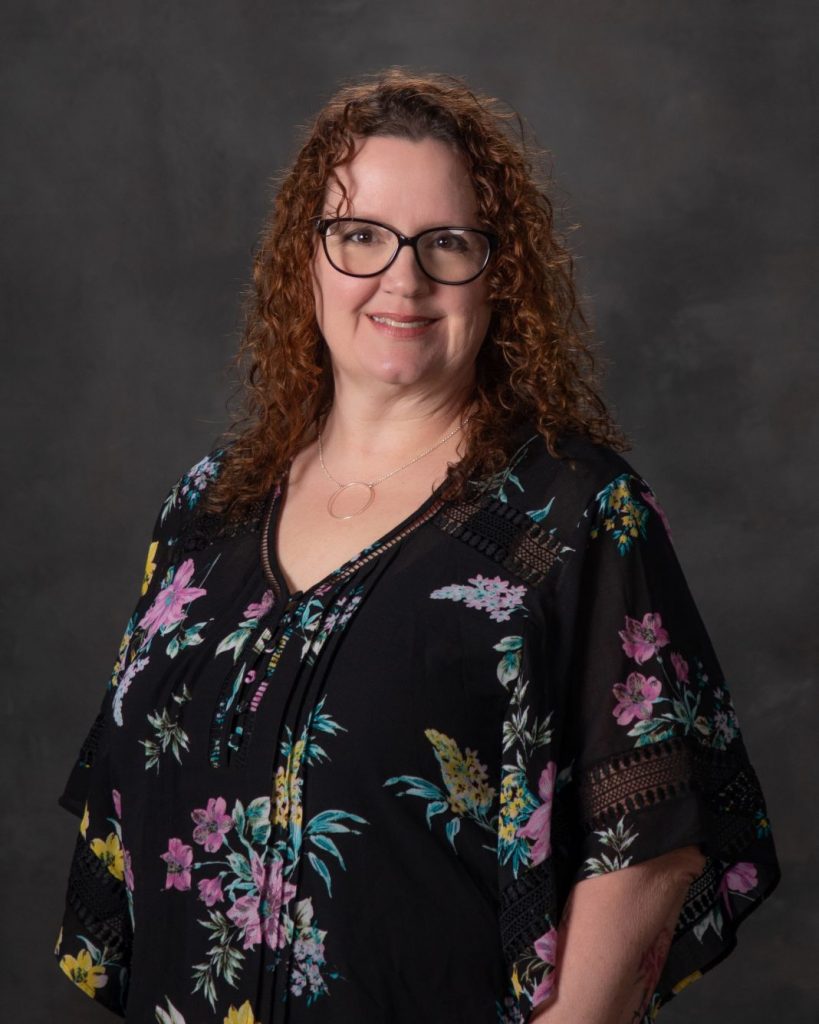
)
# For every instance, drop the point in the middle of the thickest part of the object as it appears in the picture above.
(58, 943)
(282, 798)
(512, 804)
(86, 817)
(109, 852)
(686, 982)
(83, 973)
(244, 1015)
(150, 566)
(464, 776)
(288, 788)
(516, 985)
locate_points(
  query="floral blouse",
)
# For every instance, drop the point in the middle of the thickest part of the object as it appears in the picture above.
(369, 800)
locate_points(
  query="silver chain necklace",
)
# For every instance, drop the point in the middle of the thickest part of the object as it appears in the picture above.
(371, 485)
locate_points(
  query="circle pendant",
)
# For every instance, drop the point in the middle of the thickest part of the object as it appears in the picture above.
(345, 487)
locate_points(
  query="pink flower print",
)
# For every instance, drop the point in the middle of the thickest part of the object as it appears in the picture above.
(538, 827)
(210, 891)
(260, 609)
(739, 878)
(635, 697)
(179, 859)
(546, 949)
(129, 870)
(642, 640)
(649, 498)
(117, 801)
(212, 823)
(257, 914)
(168, 608)
(495, 596)
(680, 667)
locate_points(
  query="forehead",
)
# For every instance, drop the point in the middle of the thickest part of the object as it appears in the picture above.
(405, 183)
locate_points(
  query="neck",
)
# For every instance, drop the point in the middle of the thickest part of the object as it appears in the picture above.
(381, 433)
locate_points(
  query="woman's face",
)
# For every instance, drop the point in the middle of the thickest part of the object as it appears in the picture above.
(409, 186)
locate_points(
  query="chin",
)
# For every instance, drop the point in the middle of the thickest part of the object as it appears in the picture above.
(400, 371)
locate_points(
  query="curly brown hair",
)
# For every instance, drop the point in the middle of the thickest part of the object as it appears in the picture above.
(536, 361)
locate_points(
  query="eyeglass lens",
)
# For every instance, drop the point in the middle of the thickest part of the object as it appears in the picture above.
(450, 255)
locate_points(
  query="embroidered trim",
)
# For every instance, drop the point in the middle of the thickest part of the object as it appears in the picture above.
(672, 768)
(505, 534)
(524, 906)
(99, 901)
(200, 530)
(631, 782)
(700, 898)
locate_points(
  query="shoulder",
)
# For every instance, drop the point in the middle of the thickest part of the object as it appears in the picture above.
(565, 487)
(185, 495)
(186, 524)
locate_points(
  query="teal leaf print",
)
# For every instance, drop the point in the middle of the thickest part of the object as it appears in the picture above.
(318, 864)
(330, 821)
(190, 637)
(436, 807)
(418, 787)
(497, 483)
(539, 514)
(240, 866)
(509, 666)
(236, 640)
(466, 795)
(258, 819)
(623, 517)
(325, 843)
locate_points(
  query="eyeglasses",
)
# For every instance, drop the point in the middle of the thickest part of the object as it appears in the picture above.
(365, 248)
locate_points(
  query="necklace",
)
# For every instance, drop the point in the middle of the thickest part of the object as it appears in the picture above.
(371, 485)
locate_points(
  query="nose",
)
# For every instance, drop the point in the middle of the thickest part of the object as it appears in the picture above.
(404, 276)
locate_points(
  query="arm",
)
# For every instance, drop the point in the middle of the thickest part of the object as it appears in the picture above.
(614, 938)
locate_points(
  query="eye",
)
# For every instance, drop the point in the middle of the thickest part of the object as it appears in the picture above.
(449, 241)
(358, 236)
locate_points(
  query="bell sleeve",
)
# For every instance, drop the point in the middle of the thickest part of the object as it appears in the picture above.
(94, 944)
(622, 743)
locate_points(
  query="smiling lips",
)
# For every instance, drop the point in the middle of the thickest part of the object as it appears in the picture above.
(401, 326)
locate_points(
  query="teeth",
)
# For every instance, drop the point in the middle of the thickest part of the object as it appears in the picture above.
(400, 323)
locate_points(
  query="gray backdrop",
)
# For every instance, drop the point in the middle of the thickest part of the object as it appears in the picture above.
(140, 140)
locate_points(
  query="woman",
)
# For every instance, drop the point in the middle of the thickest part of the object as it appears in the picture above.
(415, 719)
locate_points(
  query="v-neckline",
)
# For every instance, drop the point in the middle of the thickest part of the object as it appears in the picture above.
(269, 554)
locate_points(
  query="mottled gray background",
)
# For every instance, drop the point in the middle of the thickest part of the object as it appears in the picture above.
(139, 143)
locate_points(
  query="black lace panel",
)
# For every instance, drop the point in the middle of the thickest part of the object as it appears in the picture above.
(672, 768)
(100, 903)
(503, 533)
(201, 529)
(524, 906)
(633, 781)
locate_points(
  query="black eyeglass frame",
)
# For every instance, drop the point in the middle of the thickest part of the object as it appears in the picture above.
(323, 223)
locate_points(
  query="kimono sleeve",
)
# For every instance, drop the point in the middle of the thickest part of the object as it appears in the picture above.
(94, 944)
(639, 750)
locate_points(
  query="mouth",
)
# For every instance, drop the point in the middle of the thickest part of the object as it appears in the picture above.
(399, 325)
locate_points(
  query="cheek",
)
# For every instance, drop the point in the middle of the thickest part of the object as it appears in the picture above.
(337, 297)
(476, 315)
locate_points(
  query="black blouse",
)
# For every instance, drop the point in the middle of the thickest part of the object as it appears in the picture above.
(368, 801)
